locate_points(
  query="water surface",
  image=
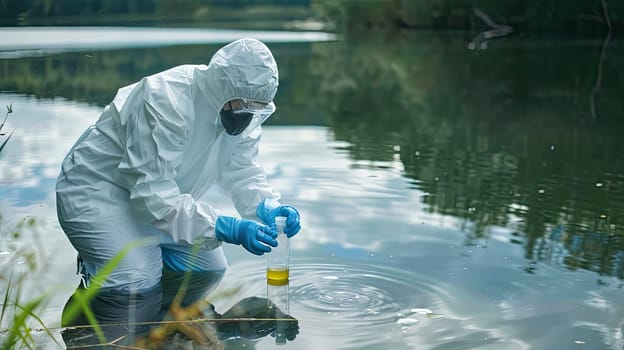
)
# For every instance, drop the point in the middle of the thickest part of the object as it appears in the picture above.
(450, 198)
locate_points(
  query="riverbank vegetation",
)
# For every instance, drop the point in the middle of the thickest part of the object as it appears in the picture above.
(212, 13)
(532, 18)
(529, 17)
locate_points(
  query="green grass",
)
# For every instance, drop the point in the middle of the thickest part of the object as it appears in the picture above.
(19, 333)
(9, 111)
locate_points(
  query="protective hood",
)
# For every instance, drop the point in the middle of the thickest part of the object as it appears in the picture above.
(244, 69)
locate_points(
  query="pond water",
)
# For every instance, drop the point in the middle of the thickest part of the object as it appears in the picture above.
(450, 198)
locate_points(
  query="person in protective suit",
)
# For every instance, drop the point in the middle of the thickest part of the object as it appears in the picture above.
(133, 182)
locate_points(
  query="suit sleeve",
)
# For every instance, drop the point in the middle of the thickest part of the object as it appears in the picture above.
(245, 179)
(155, 141)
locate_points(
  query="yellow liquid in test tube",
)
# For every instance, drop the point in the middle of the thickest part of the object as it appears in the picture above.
(277, 274)
(277, 261)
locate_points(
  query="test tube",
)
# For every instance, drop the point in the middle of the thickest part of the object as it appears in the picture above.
(277, 262)
(277, 295)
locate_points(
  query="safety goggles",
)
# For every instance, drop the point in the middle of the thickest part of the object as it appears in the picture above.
(235, 121)
(256, 107)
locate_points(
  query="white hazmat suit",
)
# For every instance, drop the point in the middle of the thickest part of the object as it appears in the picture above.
(138, 174)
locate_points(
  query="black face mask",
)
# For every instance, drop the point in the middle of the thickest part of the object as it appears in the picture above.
(235, 122)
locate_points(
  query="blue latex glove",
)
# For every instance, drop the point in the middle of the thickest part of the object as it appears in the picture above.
(268, 209)
(256, 238)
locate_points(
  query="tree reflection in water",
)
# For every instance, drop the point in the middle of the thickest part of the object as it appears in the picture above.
(503, 137)
(499, 137)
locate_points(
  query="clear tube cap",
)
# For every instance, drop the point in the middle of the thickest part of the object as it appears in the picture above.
(280, 222)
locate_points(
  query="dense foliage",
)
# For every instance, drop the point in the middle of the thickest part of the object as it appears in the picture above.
(37, 12)
(543, 17)
(568, 17)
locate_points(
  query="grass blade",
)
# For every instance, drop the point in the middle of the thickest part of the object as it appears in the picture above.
(19, 326)
(6, 298)
(5, 141)
(91, 318)
(36, 317)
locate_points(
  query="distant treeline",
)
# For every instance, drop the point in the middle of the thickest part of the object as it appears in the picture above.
(570, 17)
(29, 12)
(563, 17)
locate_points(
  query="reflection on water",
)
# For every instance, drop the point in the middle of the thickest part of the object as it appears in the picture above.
(156, 319)
(504, 137)
(450, 198)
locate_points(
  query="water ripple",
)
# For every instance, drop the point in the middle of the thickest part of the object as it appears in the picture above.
(371, 306)
(365, 296)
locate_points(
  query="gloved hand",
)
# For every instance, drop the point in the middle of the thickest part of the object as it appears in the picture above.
(268, 209)
(256, 238)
